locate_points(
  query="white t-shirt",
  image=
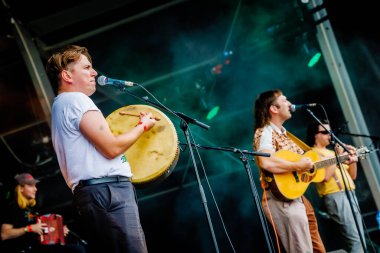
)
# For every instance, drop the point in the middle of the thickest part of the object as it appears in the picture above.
(77, 156)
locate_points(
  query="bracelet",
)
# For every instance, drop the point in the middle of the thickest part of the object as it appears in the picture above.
(140, 123)
(25, 229)
(29, 228)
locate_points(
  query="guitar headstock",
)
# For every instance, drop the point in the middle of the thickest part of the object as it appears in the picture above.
(362, 152)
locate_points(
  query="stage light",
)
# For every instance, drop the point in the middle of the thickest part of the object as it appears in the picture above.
(314, 59)
(212, 113)
(222, 60)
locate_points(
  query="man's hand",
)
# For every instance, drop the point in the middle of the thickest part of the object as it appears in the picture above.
(147, 120)
(305, 163)
(39, 227)
(65, 230)
(352, 156)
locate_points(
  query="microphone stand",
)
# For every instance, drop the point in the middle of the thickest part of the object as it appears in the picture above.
(349, 197)
(254, 191)
(78, 237)
(185, 120)
(257, 200)
(230, 149)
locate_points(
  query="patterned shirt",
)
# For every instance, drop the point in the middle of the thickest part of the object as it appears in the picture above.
(273, 138)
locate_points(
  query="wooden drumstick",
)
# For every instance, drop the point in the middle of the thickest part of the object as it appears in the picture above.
(135, 115)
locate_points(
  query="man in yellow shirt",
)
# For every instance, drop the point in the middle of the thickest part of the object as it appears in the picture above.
(332, 189)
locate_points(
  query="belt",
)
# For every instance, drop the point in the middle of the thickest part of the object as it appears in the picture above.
(103, 180)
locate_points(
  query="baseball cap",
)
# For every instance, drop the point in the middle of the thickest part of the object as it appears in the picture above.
(26, 178)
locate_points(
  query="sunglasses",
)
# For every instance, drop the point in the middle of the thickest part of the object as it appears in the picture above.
(323, 132)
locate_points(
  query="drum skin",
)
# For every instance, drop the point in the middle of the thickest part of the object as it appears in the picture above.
(155, 154)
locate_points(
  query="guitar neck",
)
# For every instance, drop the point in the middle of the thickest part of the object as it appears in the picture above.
(330, 161)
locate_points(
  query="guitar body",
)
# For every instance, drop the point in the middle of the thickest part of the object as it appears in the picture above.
(291, 185)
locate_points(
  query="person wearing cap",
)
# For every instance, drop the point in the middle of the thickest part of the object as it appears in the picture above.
(21, 229)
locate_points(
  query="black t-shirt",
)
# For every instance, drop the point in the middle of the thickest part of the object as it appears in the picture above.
(29, 242)
(20, 218)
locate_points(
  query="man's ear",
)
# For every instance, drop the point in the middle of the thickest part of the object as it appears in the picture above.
(66, 76)
(273, 109)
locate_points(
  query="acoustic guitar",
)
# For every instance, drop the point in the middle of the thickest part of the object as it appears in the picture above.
(291, 185)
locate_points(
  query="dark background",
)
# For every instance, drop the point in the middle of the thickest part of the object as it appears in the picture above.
(192, 56)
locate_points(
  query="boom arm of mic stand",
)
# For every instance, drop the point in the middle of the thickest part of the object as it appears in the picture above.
(254, 153)
(230, 149)
(191, 120)
(179, 114)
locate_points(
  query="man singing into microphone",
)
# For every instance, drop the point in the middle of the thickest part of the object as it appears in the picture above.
(92, 159)
(293, 220)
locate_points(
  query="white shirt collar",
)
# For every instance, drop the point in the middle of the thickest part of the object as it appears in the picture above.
(281, 130)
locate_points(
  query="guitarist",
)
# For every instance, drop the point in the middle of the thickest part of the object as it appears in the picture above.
(332, 189)
(294, 221)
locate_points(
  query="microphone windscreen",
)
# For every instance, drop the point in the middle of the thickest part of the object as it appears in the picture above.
(101, 80)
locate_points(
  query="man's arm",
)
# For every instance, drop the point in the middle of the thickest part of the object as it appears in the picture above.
(353, 159)
(278, 165)
(352, 163)
(9, 232)
(94, 126)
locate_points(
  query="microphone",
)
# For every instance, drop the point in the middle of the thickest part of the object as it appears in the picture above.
(103, 80)
(294, 108)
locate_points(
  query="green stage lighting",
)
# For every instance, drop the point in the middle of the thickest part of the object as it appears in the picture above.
(314, 60)
(212, 113)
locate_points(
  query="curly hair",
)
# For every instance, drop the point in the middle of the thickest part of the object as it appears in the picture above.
(262, 105)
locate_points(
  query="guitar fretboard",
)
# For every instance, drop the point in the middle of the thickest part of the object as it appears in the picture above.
(330, 161)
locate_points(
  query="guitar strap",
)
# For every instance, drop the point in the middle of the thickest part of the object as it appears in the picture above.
(297, 141)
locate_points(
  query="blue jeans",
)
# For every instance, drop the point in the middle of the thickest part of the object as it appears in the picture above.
(110, 216)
